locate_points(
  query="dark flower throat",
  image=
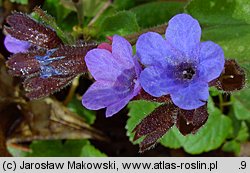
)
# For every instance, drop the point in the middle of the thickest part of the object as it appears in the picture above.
(185, 71)
(188, 73)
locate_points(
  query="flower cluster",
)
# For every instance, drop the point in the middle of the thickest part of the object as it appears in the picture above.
(180, 66)
(176, 71)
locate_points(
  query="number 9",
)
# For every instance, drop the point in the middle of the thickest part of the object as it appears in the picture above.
(243, 164)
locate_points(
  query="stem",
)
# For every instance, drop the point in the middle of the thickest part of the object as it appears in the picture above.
(72, 90)
(227, 104)
(105, 6)
(161, 29)
(221, 102)
(80, 11)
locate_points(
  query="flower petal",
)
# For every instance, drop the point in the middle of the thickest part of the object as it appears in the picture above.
(113, 109)
(211, 61)
(122, 51)
(152, 49)
(184, 33)
(156, 81)
(14, 45)
(116, 107)
(137, 67)
(102, 94)
(191, 97)
(103, 65)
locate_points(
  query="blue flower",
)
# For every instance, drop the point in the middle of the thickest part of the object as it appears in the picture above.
(116, 74)
(14, 45)
(179, 65)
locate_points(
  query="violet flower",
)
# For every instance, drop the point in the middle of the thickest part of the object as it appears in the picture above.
(14, 45)
(116, 74)
(181, 65)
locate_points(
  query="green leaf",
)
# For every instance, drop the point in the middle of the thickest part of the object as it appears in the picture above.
(155, 13)
(235, 41)
(66, 18)
(214, 91)
(212, 135)
(235, 144)
(108, 12)
(76, 106)
(137, 111)
(92, 7)
(89, 150)
(243, 133)
(69, 22)
(88, 8)
(242, 10)
(232, 32)
(24, 2)
(58, 148)
(15, 152)
(172, 138)
(215, 12)
(242, 105)
(232, 146)
(56, 9)
(226, 23)
(127, 4)
(209, 137)
(123, 4)
(235, 123)
(122, 23)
